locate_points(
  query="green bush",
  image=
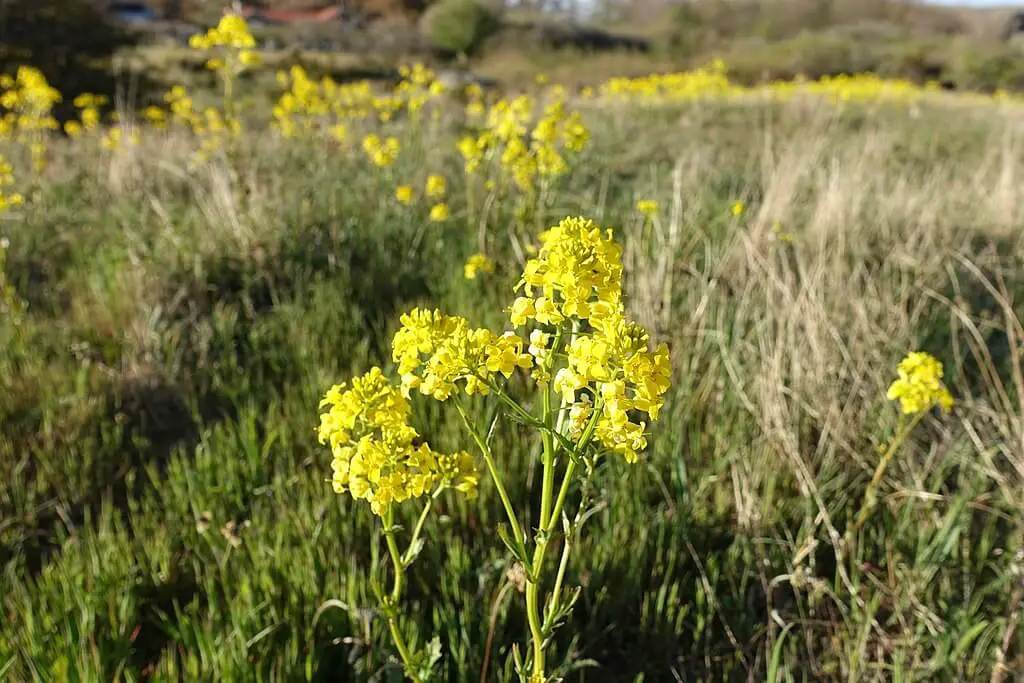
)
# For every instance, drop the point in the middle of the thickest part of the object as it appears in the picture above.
(814, 55)
(989, 68)
(459, 27)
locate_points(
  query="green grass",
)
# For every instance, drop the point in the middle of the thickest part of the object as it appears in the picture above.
(164, 513)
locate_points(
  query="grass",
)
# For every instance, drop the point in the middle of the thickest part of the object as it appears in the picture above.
(164, 513)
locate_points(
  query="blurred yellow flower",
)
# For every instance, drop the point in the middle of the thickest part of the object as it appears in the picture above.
(404, 194)
(477, 263)
(648, 207)
(439, 212)
(382, 153)
(436, 186)
(737, 209)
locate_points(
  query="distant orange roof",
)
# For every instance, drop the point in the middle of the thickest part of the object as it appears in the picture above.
(287, 16)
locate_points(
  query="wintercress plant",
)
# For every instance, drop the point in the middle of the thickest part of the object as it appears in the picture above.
(598, 386)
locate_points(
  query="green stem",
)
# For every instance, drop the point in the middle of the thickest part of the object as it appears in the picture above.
(556, 592)
(548, 485)
(471, 210)
(526, 416)
(396, 595)
(902, 432)
(563, 492)
(485, 450)
(419, 527)
(229, 109)
(523, 414)
(536, 628)
(570, 469)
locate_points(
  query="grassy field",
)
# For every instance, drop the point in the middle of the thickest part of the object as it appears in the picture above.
(169, 328)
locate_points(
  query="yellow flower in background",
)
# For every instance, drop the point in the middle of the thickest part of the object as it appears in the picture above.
(737, 209)
(780, 234)
(919, 386)
(156, 116)
(648, 207)
(382, 153)
(231, 35)
(436, 186)
(472, 151)
(7, 199)
(115, 138)
(477, 263)
(404, 194)
(439, 212)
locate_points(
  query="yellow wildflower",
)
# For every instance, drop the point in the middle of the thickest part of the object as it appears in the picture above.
(437, 352)
(577, 267)
(648, 207)
(439, 212)
(375, 458)
(436, 186)
(477, 263)
(382, 153)
(404, 194)
(919, 386)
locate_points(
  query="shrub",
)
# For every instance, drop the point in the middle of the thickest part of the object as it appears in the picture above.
(989, 68)
(458, 27)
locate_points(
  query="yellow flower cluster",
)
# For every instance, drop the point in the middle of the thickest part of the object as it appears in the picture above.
(437, 352)
(695, 84)
(712, 82)
(418, 87)
(477, 263)
(88, 106)
(435, 189)
(375, 457)
(231, 41)
(608, 379)
(436, 186)
(523, 153)
(439, 212)
(405, 194)
(578, 267)
(475, 108)
(307, 105)
(611, 376)
(919, 386)
(647, 207)
(301, 105)
(211, 125)
(8, 199)
(382, 153)
(115, 138)
(28, 100)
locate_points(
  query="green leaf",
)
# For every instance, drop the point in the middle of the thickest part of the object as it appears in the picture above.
(773, 665)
